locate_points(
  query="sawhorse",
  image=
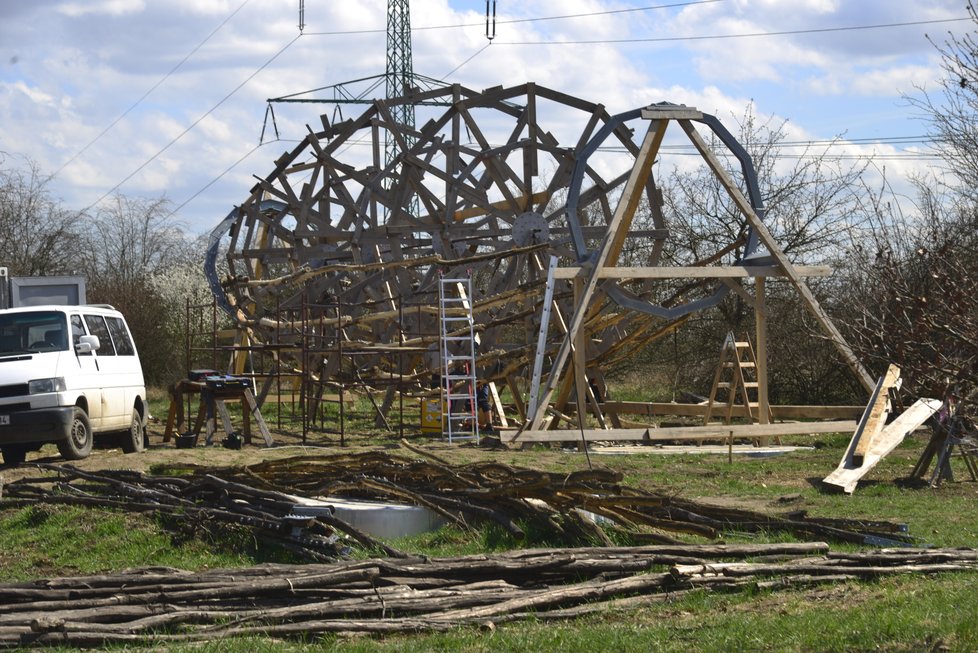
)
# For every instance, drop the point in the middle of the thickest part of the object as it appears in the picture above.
(212, 404)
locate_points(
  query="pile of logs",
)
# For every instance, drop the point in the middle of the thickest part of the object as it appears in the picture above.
(533, 506)
(521, 500)
(159, 606)
(193, 506)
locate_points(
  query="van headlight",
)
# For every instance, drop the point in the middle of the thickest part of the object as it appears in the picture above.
(42, 386)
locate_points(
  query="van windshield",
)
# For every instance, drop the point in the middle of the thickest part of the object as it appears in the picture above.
(33, 332)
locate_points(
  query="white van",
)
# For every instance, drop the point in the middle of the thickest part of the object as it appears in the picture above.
(67, 372)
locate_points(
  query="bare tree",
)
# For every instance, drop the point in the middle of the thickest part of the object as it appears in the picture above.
(133, 238)
(913, 288)
(37, 235)
(912, 281)
(132, 243)
(810, 198)
(952, 115)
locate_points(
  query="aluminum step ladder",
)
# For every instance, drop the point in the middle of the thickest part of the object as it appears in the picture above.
(458, 342)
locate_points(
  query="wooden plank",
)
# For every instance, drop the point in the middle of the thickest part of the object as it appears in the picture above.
(257, 416)
(671, 112)
(846, 476)
(680, 433)
(660, 409)
(514, 390)
(876, 413)
(222, 410)
(695, 272)
(525, 201)
(497, 405)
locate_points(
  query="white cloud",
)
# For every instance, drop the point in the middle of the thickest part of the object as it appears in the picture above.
(67, 74)
(102, 7)
(33, 94)
(883, 82)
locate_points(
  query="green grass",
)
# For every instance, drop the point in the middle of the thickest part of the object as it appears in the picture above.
(65, 540)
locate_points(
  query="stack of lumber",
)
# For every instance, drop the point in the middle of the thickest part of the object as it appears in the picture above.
(160, 606)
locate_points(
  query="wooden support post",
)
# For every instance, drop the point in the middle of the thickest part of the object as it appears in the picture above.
(514, 389)
(497, 404)
(239, 358)
(760, 336)
(255, 413)
(580, 372)
(580, 375)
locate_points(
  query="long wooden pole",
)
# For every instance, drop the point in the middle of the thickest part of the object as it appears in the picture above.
(779, 256)
(625, 209)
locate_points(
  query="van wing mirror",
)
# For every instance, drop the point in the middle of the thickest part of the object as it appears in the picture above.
(87, 344)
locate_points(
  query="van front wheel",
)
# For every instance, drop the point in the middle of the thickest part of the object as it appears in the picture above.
(79, 442)
(134, 440)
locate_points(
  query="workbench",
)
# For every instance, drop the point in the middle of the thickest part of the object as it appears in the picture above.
(213, 393)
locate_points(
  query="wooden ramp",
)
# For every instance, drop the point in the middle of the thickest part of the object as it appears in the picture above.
(865, 452)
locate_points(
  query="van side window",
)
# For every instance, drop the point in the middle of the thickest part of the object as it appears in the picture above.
(120, 336)
(77, 330)
(96, 326)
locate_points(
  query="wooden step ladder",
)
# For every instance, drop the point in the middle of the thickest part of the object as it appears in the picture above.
(735, 384)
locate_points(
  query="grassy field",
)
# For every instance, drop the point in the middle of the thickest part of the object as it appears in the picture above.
(907, 613)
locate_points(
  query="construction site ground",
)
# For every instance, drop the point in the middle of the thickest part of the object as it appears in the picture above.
(903, 613)
(769, 478)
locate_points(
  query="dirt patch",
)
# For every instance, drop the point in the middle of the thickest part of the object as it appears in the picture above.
(107, 456)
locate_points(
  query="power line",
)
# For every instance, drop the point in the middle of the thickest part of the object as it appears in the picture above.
(523, 20)
(217, 178)
(474, 55)
(194, 123)
(717, 37)
(881, 140)
(152, 88)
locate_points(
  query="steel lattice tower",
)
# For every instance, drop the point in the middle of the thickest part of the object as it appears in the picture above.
(400, 69)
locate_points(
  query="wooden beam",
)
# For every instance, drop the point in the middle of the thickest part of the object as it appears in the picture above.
(760, 358)
(514, 390)
(846, 476)
(696, 272)
(670, 409)
(684, 433)
(503, 205)
(875, 416)
(733, 190)
(497, 405)
(626, 208)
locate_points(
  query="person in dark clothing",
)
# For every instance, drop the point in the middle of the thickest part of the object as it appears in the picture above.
(484, 406)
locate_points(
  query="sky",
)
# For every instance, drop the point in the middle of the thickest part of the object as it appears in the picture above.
(167, 98)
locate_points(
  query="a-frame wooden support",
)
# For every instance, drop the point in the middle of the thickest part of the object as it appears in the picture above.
(606, 257)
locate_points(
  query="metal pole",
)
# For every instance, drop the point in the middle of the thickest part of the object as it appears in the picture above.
(400, 368)
(339, 375)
